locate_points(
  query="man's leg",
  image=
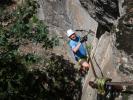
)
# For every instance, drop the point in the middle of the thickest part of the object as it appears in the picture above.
(85, 65)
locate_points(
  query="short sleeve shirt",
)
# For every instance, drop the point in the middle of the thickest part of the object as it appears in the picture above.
(81, 53)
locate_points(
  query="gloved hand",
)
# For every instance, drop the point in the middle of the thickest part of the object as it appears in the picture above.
(83, 39)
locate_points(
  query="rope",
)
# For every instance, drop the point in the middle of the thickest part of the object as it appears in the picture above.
(92, 66)
(98, 66)
(93, 56)
(94, 72)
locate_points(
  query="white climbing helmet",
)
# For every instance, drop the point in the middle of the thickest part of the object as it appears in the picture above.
(70, 32)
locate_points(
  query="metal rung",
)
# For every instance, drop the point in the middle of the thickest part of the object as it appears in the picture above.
(120, 83)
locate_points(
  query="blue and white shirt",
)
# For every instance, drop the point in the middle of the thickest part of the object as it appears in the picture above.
(81, 53)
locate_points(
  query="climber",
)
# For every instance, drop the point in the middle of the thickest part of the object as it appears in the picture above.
(79, 51)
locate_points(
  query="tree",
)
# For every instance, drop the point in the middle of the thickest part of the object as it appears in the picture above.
(55, 79)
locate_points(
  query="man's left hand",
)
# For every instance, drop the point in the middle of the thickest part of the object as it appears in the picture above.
(84, 39)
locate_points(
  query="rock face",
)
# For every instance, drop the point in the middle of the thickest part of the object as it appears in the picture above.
(123, 50)
(61, 15)
(103, 11)
(65, 14)
(54, 13)
(113, 50)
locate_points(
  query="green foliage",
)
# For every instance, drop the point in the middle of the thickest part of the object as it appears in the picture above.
(14, 78)
(57, 79)
(89, 47)
(11, 71)
(25, 25)
(3, 40)
(5, 2)
(62, 79)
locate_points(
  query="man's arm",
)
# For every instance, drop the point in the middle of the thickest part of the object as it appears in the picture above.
(75, 49)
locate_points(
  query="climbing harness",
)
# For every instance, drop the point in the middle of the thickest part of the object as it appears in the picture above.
(101, 85)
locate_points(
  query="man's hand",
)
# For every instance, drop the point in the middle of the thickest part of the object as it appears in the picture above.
(83, 39)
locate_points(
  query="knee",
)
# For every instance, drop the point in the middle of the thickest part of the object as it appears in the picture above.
(86, 64)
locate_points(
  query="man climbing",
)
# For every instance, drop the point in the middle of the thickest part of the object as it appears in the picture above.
(76, 44)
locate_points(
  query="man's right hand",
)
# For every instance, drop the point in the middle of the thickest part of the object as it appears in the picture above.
(83, 39)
